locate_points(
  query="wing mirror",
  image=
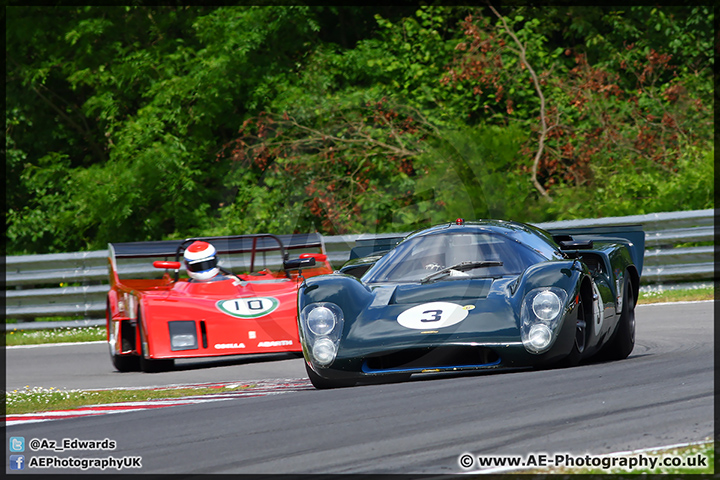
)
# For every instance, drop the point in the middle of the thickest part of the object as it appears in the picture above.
(170, 265)
(320, 257)
(299, 263)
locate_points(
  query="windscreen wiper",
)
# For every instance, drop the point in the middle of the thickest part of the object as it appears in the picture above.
(460, 267)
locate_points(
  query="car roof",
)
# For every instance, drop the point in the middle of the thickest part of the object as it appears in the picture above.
(497, 226)
(529, 235)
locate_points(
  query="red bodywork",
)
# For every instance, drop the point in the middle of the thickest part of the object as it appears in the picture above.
(151, 321)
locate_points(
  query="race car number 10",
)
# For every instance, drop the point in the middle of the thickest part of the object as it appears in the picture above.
(433, 315)
(248, 307)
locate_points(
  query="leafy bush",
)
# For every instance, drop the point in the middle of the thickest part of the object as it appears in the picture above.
(145, 123)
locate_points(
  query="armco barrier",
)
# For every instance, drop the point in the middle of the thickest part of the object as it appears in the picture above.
(34, 283)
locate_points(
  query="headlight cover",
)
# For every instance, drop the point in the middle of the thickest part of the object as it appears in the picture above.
(541, 312)
(546, 305)
(321, 320)
(183, 335)
(324, 351)
(321, 326)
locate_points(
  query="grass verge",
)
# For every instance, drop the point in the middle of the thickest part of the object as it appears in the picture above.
(39, 399)
(679, 295)
(15, 336)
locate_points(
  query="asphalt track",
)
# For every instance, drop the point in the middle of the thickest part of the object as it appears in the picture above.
(661, 395)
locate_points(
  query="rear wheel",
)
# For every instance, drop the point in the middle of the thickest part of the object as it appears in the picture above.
(322, 383)
(623, 340)
(149, 365)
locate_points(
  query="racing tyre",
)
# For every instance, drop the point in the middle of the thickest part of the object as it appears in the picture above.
(623, 340)
(125, 363)
(122, 363)
(573, 358)
(149, 365)
(324, 383)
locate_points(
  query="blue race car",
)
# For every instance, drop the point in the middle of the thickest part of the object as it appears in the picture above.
(479, 295)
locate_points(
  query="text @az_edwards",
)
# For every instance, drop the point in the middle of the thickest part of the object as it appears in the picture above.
(68, 444)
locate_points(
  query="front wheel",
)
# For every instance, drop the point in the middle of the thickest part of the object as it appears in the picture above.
(573, 358)
(122, 363)
(125, 363)
(149, 365)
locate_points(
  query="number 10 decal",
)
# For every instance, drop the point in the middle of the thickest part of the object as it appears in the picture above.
(433, 315)
(248, 307)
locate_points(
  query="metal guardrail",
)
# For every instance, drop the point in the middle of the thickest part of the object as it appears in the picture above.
(34, 283)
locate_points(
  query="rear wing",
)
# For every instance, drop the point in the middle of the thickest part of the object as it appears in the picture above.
(228, 244)
(238, 244)
(632, 236)
(373, 246)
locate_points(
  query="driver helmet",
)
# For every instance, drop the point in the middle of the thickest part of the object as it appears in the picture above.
(201, 261)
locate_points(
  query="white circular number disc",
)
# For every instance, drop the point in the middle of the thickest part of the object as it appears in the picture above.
(248, 307)
(430, 316)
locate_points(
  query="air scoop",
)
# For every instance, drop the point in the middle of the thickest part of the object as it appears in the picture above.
(470, 289)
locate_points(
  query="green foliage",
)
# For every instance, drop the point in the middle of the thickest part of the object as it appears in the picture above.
(641, 188)
(129, 123)
(473, 173)
(344, 169)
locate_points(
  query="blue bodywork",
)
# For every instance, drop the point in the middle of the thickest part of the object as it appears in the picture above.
(471, 318)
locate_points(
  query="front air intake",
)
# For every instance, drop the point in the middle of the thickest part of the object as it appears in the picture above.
(442, 358)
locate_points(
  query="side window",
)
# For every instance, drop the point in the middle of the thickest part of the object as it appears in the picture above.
(537, 243)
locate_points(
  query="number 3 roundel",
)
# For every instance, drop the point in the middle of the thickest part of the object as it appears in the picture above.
(430, 316)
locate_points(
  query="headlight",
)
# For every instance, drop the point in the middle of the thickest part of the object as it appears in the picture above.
(324, 351)
(321, 325)
(183, 335)
(321, 320)
(540, 316)
(546, 305)
(539, 337)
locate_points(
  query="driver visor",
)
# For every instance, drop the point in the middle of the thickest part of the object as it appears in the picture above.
(202, 265)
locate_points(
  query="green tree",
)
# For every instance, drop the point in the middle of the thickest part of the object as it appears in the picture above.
(150, 122)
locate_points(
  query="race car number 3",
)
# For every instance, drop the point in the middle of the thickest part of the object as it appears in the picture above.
(433, 315)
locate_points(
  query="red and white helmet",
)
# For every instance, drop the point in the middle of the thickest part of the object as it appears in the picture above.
(201, 261)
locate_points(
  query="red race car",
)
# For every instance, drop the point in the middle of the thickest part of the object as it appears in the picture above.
(242, 301)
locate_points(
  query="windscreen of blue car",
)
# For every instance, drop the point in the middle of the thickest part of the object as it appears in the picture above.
(416, 258)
